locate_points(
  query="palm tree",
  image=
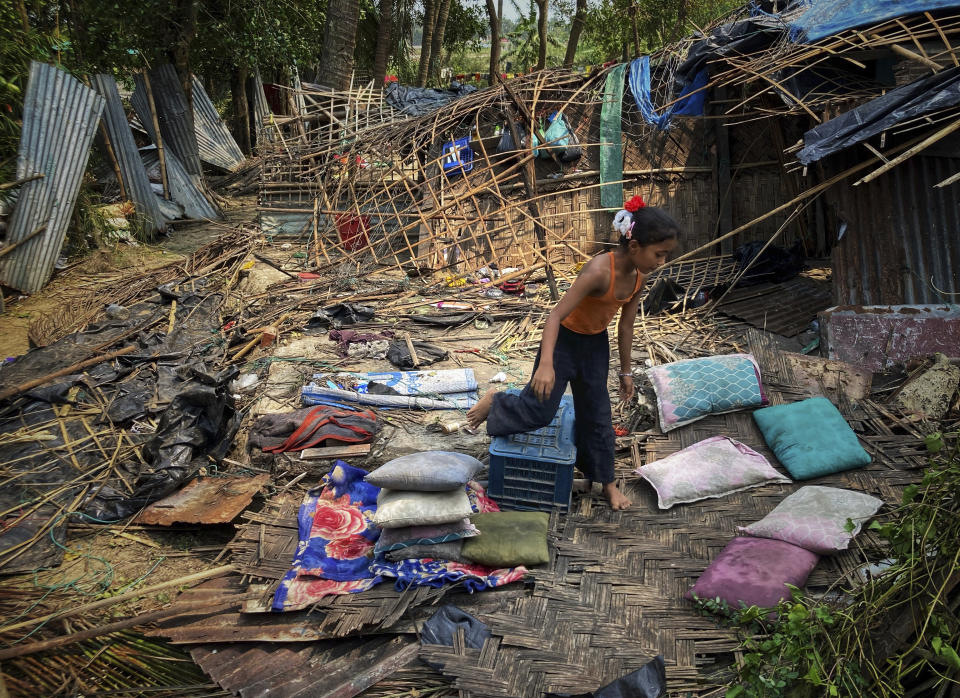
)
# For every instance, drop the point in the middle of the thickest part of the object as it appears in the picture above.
(381, 55)
(439, 29)
(339, 40)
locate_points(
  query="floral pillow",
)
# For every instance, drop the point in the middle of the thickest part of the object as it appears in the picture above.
(755, 572)
(692, 389)
(713, 467)
(816, 518)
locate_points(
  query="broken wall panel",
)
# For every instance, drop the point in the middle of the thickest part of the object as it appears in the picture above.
(215, 143)
(877, 337)
(60, 117)
(173, 113)
(135, 180)
(210, 501)
(182, 187)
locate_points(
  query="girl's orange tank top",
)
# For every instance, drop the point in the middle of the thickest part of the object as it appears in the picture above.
(594, 313)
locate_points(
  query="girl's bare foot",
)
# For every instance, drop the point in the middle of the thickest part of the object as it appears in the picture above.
(616, 498)
(477, 414)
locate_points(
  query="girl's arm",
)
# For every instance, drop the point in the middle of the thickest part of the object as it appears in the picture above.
(593, 278)
(628, 317)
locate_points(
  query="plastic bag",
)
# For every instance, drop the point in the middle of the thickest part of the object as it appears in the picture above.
(561, 140)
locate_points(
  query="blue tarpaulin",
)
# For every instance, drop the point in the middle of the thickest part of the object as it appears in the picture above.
(828, 17)
(687, 106)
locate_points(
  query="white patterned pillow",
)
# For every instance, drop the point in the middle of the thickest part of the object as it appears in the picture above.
(815, 518)
(713, 467)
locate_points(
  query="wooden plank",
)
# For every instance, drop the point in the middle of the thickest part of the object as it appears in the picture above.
(347, 451)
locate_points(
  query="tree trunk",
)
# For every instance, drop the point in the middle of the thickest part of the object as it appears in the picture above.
(436, 49)
(339, 40)
(494, 42)
(430, 8)
(24, 20)
(241, 108)
(542, 33)
(187, 11)
(384, 35)
(576, 28)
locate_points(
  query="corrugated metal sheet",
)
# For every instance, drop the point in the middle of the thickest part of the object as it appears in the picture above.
(210, 501)
(787, 308)
(176, 119)
(215, 143)
(182, 188)
(902, 243)
(261, 111)
(60, 116)
(135, 178)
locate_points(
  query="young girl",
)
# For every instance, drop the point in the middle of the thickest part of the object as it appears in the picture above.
(575, 348)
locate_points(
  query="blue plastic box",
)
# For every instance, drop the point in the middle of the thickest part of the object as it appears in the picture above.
(457, 157)
(534, 470)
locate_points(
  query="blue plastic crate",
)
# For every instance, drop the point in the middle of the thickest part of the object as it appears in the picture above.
(457, 157)
(534, 470)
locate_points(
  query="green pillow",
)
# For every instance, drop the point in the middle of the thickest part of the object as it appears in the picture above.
(811, 438)
(508, 539)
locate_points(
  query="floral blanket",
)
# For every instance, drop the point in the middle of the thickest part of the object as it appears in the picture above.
(336, 541)
(337, 538)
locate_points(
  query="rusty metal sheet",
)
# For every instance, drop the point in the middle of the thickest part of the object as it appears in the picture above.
(900, 232)
(330, 669)
(210, 501)
(876, 337)
(787, 308)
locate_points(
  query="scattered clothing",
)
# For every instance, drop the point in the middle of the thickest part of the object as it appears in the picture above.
(337, 537)
(444, 625)
(372, 345)
(310, 427)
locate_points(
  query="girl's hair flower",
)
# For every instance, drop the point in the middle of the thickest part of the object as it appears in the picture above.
(634, 204)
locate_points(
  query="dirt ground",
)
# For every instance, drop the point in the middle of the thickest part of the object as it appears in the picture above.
(22, 311)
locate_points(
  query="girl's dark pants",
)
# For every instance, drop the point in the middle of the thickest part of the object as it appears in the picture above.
(583, 361)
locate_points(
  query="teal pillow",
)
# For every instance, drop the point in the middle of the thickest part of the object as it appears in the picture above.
(811, 438)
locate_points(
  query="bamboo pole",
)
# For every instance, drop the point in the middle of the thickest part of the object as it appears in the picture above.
(23, 387)
(156, 129)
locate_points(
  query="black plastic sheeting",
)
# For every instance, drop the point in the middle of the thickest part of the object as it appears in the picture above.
(739, 38)
(399, 354)
(936, 92)
(649, 681)
(417, 101)
(774, 264)
(168, 378)
(340, 315)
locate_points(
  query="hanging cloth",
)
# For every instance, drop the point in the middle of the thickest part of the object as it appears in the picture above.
(611, 145)
(687, 106)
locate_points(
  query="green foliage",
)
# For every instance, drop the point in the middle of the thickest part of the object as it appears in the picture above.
(659, 22)
(784, 646)
(814, 648)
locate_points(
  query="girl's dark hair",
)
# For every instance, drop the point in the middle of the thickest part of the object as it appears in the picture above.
(650, 226)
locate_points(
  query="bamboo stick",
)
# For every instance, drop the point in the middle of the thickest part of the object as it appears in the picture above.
(23, 387)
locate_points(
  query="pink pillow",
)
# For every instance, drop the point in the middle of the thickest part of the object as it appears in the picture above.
(754, 571)
(713, 467)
